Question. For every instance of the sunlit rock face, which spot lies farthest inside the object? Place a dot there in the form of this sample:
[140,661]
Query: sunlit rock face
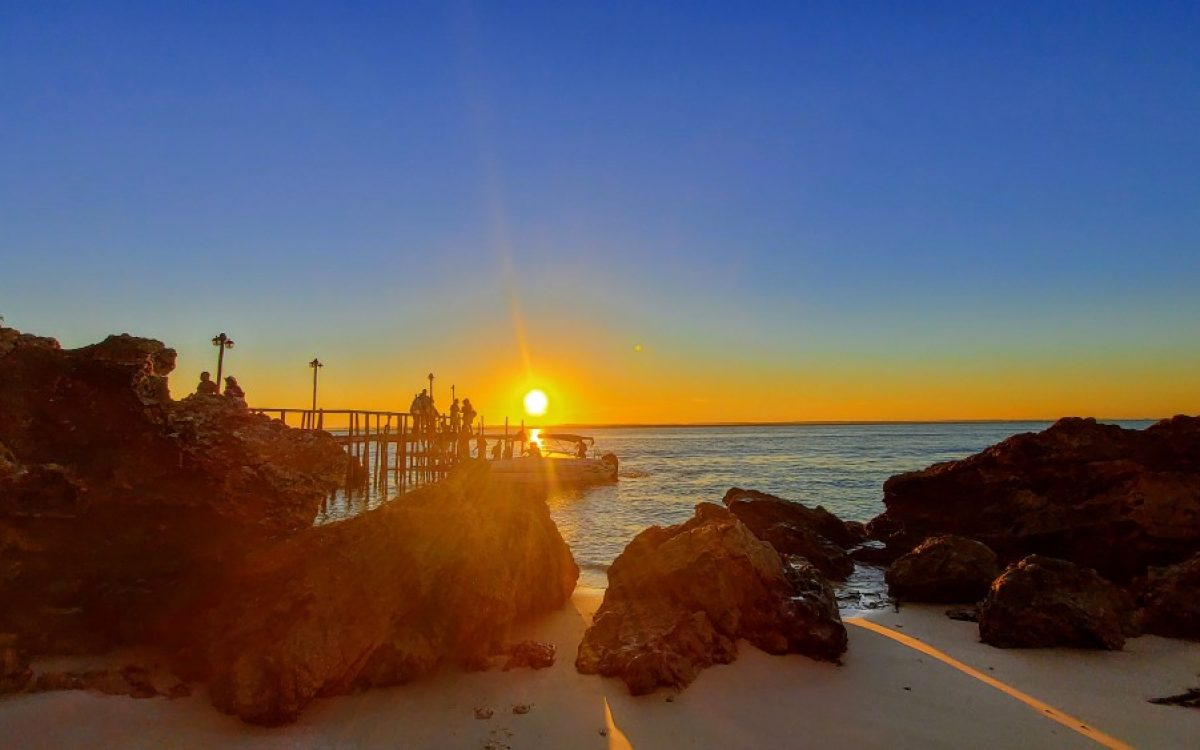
[945,569]
[1112,499]
[1041,602]
[441,574]
[119,505]
[680,597]
[795,529]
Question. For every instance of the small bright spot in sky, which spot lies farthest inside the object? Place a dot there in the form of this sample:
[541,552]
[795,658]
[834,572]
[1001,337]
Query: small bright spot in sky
[637,348]
[536,403]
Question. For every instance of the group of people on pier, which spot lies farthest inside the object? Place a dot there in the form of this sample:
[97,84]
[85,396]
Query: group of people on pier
[426,416]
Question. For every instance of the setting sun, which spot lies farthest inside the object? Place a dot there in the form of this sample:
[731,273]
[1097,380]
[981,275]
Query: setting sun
[536,403]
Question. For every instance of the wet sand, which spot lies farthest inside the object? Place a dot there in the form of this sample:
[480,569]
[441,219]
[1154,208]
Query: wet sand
[886,694]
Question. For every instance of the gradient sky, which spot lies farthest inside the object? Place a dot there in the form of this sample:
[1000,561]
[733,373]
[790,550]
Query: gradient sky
[801,211]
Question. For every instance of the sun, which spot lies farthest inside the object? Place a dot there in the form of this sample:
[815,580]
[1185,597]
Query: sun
[536,402]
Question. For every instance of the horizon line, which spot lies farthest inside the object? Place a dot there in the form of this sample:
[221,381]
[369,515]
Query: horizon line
[818,422]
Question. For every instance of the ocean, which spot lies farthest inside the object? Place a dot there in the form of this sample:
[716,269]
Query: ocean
[665,471]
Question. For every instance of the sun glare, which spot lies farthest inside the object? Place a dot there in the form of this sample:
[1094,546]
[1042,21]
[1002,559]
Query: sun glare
[536,403]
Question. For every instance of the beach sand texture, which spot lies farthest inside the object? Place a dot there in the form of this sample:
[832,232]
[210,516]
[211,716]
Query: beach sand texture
[886,694]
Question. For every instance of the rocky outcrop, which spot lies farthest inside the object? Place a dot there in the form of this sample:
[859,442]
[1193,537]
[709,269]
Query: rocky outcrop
[1172,600]
[383,597]
[1042,602]
[119,506]
[795,529]
[944,569]
[680,597]
[1105,497]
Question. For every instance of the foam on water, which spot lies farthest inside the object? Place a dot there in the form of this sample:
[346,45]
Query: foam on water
[666,471]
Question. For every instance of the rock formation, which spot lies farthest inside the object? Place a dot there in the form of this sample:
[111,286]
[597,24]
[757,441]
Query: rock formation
[945,569]
[680,597]
[795,529]
[1105,497]
[1172,600]
[1042,602]
[383,597]
[117,503]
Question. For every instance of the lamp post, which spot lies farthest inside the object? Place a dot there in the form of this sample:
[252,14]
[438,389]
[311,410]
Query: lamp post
[316,364]
[222,342]
[453,394]
[430,376]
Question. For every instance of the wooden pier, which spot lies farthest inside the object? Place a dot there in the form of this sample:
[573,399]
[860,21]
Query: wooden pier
[390,452]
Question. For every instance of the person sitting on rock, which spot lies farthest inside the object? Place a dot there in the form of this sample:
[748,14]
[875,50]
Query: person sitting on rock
[234,392]
[207,386]
[581,449]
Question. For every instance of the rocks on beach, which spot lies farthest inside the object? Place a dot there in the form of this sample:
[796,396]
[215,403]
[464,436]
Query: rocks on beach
[384,597]
[1042,602]
[679,598]
[129,518]
[1172,600]
[119,506]
[948,569]
[1105,497]
[795,529]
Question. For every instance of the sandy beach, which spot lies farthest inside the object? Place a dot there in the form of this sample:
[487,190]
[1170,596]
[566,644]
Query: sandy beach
[886,694]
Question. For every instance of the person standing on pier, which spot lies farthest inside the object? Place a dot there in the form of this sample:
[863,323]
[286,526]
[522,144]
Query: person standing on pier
[468,414]
[455,415]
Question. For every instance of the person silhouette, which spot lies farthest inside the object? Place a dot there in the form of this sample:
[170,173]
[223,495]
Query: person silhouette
[468,413]
[234,392]
[207,386]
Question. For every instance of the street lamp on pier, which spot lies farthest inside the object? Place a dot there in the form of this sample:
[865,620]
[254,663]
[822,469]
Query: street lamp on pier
[222,342]
[430,376]
[316,364]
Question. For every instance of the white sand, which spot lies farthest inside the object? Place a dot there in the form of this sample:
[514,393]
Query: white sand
[759,701]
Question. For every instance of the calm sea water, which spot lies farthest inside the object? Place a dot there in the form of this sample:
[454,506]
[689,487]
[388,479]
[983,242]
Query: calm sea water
[666,471]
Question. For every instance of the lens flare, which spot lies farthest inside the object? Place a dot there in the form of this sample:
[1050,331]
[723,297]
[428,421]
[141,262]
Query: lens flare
[536,403]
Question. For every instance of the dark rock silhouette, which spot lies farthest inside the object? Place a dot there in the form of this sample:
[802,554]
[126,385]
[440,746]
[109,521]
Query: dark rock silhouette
[383,597]
[1172,599]
[119,506]
[946,569]
[1105,497]
[795,529]
[679,598]
[1042,602]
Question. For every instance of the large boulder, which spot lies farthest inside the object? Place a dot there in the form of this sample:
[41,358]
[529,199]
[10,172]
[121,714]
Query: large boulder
[441,574]
[945,569]
[761,511]
[1172,600]
[1105,497]
[830,559]
[118,506]
[1042,602]
[680,597]
[795,529]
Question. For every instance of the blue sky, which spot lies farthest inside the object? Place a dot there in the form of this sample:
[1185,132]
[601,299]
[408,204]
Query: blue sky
[800,187]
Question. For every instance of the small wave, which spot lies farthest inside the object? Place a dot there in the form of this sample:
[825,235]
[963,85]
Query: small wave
[633,473]
[602,567]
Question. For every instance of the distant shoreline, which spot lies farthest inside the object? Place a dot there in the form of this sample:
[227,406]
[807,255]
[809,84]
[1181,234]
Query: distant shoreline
[818,423]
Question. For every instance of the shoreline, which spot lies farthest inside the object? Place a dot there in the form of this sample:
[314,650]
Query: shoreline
[884,695]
